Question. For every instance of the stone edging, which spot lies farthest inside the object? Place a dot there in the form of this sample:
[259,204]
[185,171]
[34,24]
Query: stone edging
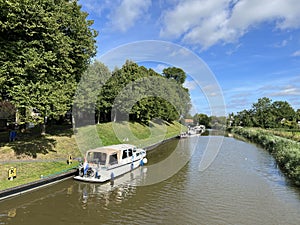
[18,190]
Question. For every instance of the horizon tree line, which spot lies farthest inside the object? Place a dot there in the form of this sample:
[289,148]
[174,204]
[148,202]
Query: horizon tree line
[266,113]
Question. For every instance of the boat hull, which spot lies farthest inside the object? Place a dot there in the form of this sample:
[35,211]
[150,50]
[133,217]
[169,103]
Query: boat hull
[109,174]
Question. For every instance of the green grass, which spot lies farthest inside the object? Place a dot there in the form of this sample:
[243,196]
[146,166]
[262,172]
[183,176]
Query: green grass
[290,134]
[60,142]
[140,135]
[29,172]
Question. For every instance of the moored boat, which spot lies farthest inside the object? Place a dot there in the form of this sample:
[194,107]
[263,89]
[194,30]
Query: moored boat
[105,163]
[183,135]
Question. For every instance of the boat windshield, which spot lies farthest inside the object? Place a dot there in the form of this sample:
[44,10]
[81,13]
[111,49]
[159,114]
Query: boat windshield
[97,158]
[113,159]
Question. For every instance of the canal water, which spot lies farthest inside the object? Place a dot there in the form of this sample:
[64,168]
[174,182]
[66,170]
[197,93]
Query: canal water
[242,186]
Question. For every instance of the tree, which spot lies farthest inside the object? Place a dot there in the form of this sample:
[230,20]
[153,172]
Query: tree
[297,115]
[244,118]
[282,110]
[202,119]
[175,73]
[266,114]
[45,46]
[262,110]
[88,93]
[142,94]
[217,122]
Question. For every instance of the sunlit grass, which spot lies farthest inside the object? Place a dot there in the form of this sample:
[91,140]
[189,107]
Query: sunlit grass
[33,171]
[49,153]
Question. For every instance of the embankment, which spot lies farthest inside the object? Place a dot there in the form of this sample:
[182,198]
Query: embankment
[29,173]
[285,151]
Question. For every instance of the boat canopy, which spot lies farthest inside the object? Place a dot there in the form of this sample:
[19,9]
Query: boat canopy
[109,155]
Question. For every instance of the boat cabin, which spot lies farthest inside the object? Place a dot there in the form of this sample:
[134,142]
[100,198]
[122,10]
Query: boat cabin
[110,156]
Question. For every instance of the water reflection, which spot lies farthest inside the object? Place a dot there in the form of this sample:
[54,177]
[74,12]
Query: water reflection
[242,186]
[117,191]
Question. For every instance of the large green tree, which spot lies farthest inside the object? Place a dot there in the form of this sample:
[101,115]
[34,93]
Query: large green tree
[45,45]
[202,119]
[85,105]
[267,114]
[282,110]
[262,110]
[175,73]
[142,94]
[244,118]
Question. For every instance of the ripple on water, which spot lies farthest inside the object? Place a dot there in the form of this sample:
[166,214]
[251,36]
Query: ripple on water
[241,186]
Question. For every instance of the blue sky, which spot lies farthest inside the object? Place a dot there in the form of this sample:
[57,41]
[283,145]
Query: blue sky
[251,47]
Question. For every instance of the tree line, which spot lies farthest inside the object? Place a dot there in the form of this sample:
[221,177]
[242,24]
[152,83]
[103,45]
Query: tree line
[46,51]
[214,122]
[266,113]
[131,92]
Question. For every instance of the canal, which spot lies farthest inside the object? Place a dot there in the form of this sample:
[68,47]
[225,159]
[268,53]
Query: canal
[242,186]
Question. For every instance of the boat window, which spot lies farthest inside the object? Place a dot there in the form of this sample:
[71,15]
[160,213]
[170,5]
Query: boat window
[113,159]
[101,157]
[129,152]
[124,154]
[97,157]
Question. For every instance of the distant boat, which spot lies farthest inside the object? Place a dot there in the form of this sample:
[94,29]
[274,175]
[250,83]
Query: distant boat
[192,132]
[106,163]
[183,135]
[197,130]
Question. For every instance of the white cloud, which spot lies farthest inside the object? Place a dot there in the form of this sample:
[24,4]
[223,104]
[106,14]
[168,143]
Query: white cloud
[280,89]
[281,44]
[128,12]
[191,85]
[296,53]
[231,51]
[209,22]
[287,91]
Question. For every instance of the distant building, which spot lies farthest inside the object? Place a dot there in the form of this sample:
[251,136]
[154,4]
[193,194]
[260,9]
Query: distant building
[188,122]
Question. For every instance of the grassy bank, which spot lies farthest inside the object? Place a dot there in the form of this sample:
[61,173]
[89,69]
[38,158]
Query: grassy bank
[285,151]
[34,155]
[32,171]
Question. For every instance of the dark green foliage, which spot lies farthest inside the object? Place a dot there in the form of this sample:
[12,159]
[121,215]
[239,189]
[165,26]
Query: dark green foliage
[45,46]
[88,92]
[202,119]
[145,94]
[136,93]
[175,73]
[267,114]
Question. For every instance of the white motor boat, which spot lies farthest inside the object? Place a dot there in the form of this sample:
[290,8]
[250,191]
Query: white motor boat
[105,163]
